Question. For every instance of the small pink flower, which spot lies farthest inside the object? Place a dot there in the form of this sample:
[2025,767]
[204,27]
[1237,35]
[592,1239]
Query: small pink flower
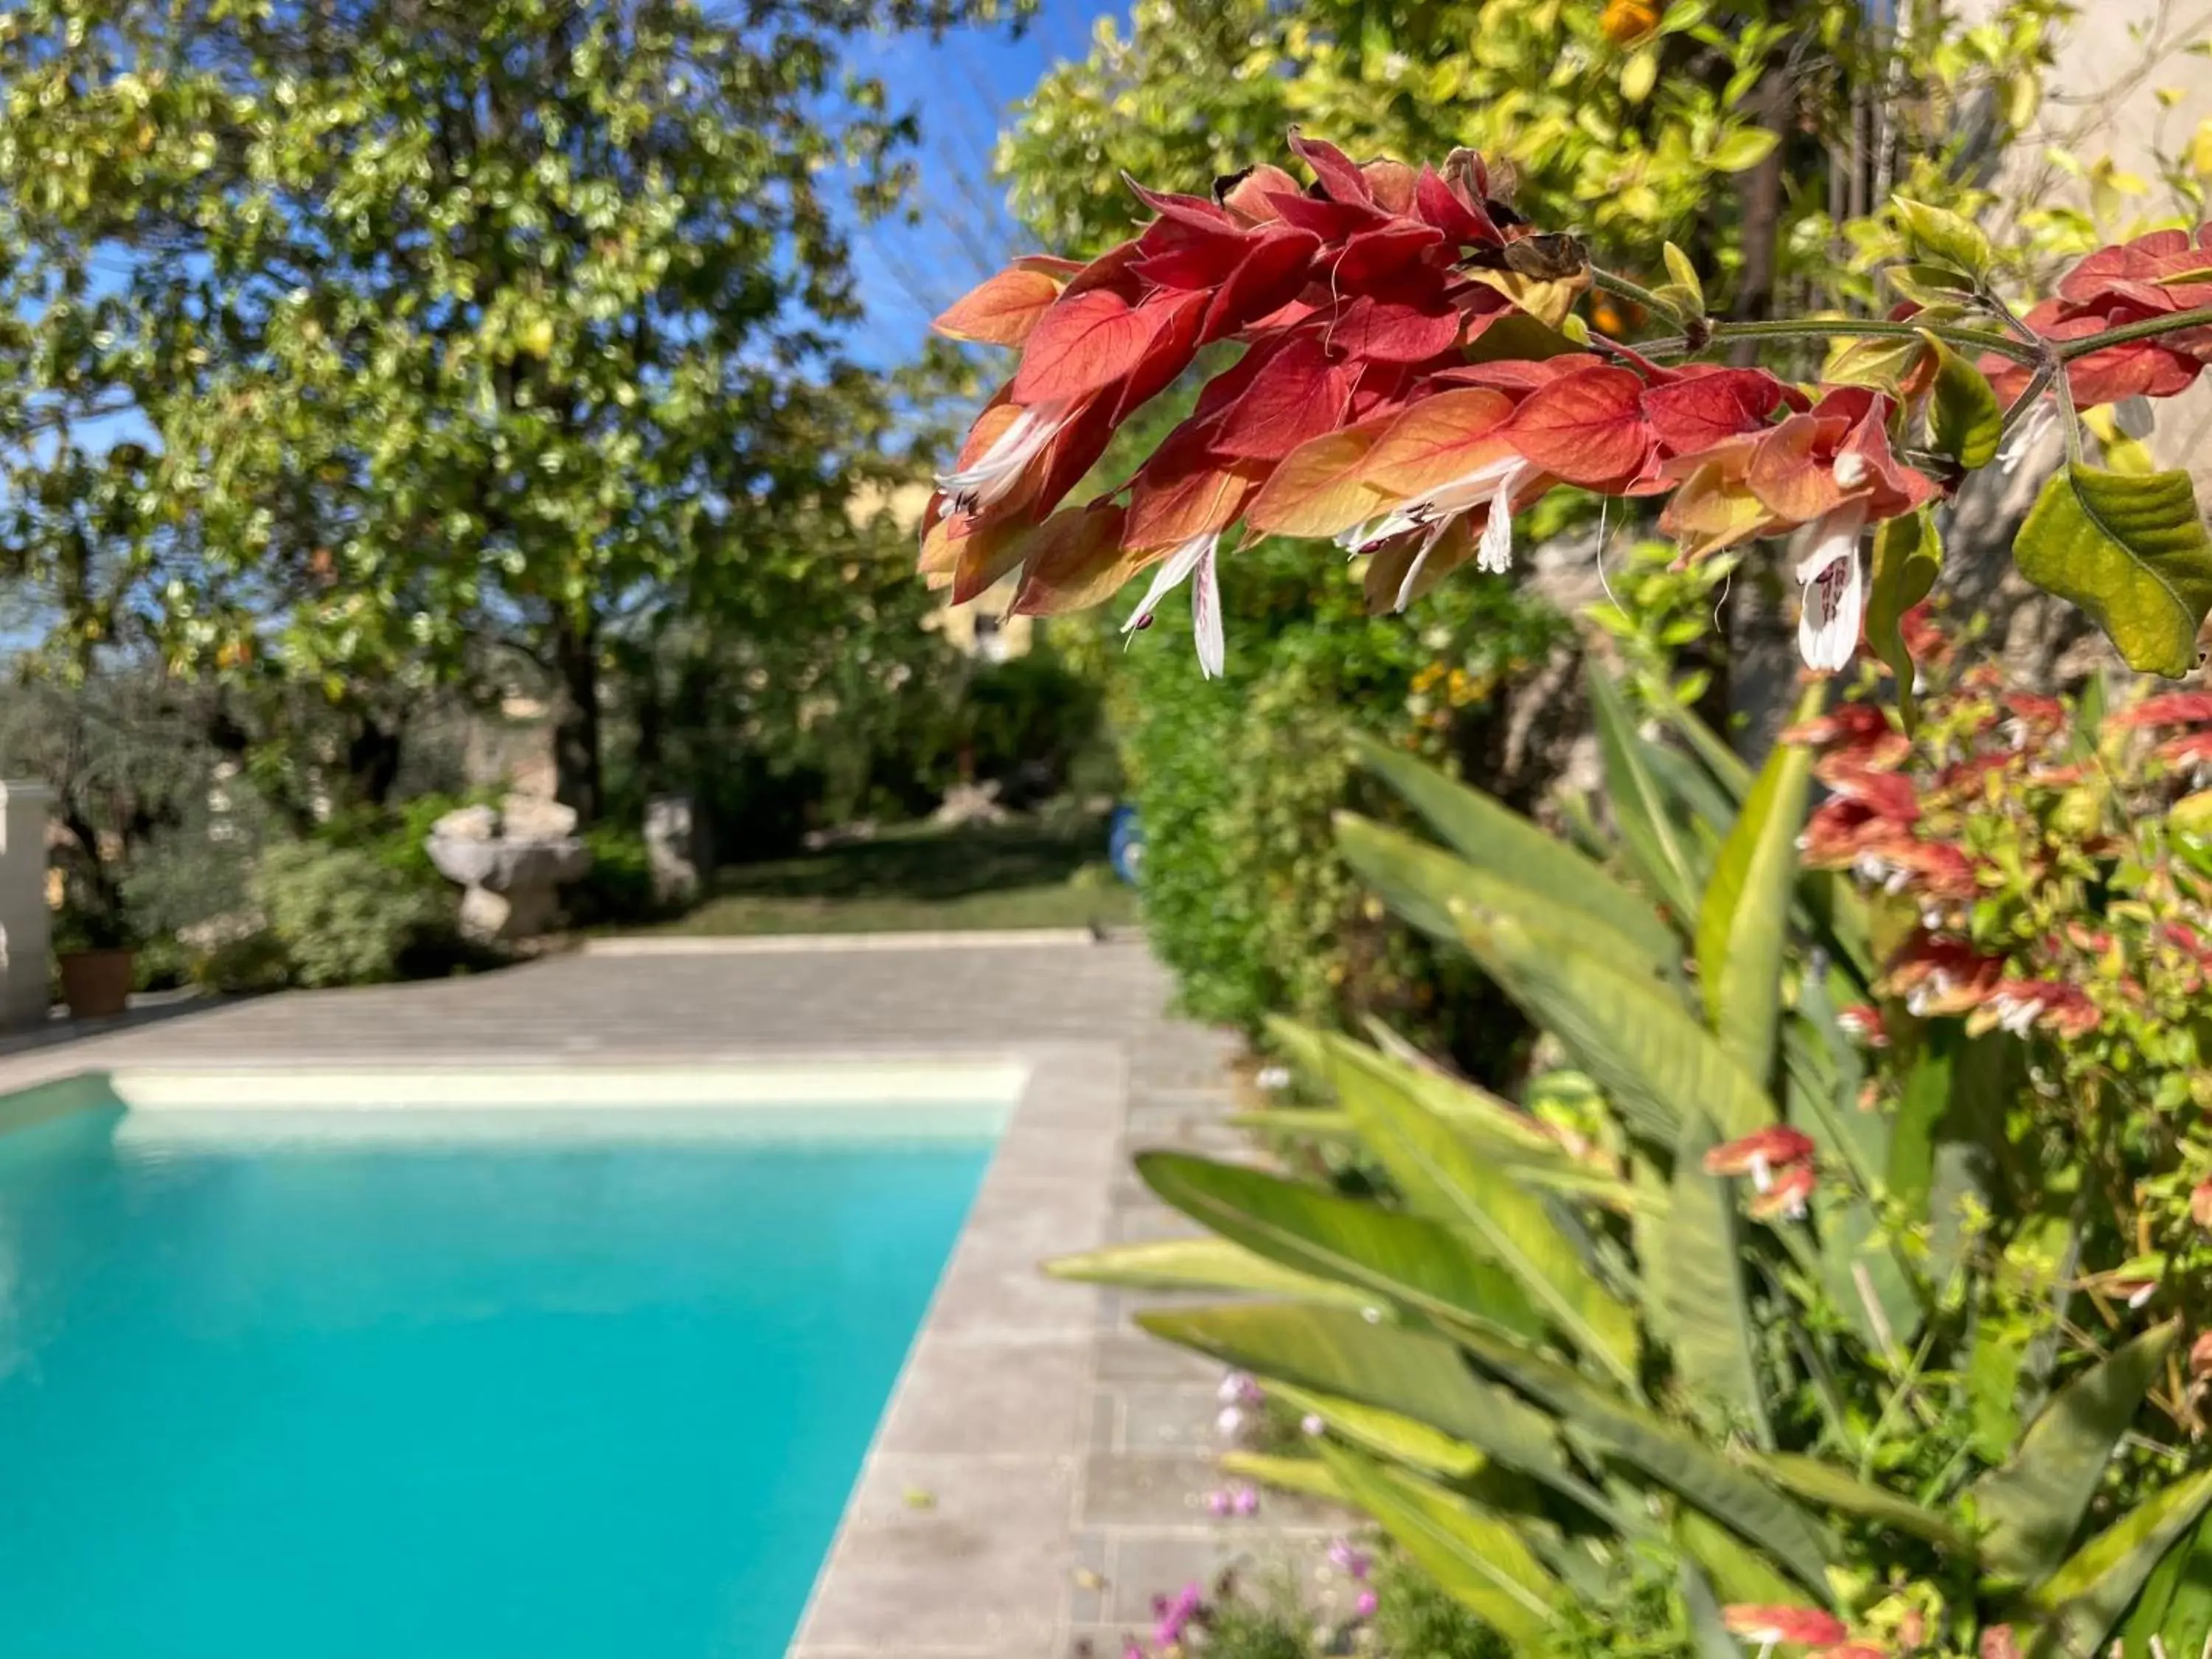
[1311,1425]
[1230,1424]
[1245,1500]
[1217,1503]
[1348,1558]
[1365,1606]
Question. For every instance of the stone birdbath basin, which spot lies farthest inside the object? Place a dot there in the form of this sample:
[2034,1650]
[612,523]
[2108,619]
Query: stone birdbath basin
[513,859]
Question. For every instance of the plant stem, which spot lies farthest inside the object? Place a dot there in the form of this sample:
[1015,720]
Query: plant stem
[2149,328]
[1823,328]
[1636,293]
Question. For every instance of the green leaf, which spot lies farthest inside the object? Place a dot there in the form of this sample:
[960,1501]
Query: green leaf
[1199,1264]
[1491,835]
[1500,1134]
[1684,274]
[1697,1271]
[1754,1511]
[1442,1176]
[1723,763]
[2034,1505]
[1421,882]
[1743,921]
[1654,840]
[1308,1475]
[1475,1557]
[2131,552]
[1831,1488]
[1655,1062]
[1707,1628]
[1946,237]
[1742,149]
[1423,1266]
[2176,1603]
[1741,1575]
[2084,1599]
[1965,420]
[1908,555]
[1387,1434]
[1336,1352]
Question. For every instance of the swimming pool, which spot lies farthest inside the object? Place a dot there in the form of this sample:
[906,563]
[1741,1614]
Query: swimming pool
[366,1384]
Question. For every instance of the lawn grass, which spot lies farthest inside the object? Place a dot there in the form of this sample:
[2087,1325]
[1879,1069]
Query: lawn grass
[919,879]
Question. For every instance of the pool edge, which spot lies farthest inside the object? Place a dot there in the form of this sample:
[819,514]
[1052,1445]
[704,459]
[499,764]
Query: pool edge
[975,1470]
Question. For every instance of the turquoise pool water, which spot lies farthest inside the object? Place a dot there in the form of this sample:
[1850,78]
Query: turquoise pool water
[510,1399]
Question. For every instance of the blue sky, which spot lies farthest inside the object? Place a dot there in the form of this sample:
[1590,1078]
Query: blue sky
[963,87]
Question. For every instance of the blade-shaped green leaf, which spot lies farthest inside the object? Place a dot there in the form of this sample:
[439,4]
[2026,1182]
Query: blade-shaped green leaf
[1502,1133]
[1476,1558]
[1908,557]
[1200,1264]
[1655,842]
[2078,1604]
[1443,1176]
[1821,1077]
[1422,1265]
[1743,920]
[2129,549]
[1707,1627]
[2034,1505]
[1424,1378]
[1308,1475]
[1420,883]
[1494,836]
[1387,1434]
[1654,1060]
[1698,800]
[1829,1487]
[1726,767]
[1740,1574]
[2176,1602]
[1697,1271]
[1746,1505]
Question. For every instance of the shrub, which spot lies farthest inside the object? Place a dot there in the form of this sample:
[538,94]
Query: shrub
[341,916]
[619,885]
[1246,896]
[1025,720]
[1708,1345]
[2042,866]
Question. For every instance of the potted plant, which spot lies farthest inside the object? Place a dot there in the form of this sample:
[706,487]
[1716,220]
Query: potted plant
[98,959]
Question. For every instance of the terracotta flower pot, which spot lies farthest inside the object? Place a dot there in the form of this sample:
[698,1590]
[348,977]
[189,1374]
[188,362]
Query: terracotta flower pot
[96,984]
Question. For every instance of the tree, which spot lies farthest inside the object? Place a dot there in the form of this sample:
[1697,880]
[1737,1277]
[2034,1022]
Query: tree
[436,331]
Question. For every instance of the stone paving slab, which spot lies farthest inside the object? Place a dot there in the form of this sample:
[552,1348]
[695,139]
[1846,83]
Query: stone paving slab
[1041,1473]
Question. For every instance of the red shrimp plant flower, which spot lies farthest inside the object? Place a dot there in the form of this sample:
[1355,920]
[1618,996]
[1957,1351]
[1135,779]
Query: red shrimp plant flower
[1411,376]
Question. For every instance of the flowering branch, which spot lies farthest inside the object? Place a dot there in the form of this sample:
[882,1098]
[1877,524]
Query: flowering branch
[1411,380]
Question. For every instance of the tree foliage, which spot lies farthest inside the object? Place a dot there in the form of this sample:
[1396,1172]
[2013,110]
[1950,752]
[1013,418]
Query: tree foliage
[370,341]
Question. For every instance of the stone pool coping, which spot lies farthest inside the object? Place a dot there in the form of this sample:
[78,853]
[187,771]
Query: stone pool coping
[972,1480]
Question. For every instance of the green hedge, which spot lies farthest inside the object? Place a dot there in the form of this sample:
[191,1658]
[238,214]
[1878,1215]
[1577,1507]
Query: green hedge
[1235,779]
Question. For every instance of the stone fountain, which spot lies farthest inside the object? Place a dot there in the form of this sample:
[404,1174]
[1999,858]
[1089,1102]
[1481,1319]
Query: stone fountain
[513,859]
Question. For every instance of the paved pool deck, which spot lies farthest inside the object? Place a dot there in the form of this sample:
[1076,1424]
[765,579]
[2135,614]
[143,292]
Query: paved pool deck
[1042,1471]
